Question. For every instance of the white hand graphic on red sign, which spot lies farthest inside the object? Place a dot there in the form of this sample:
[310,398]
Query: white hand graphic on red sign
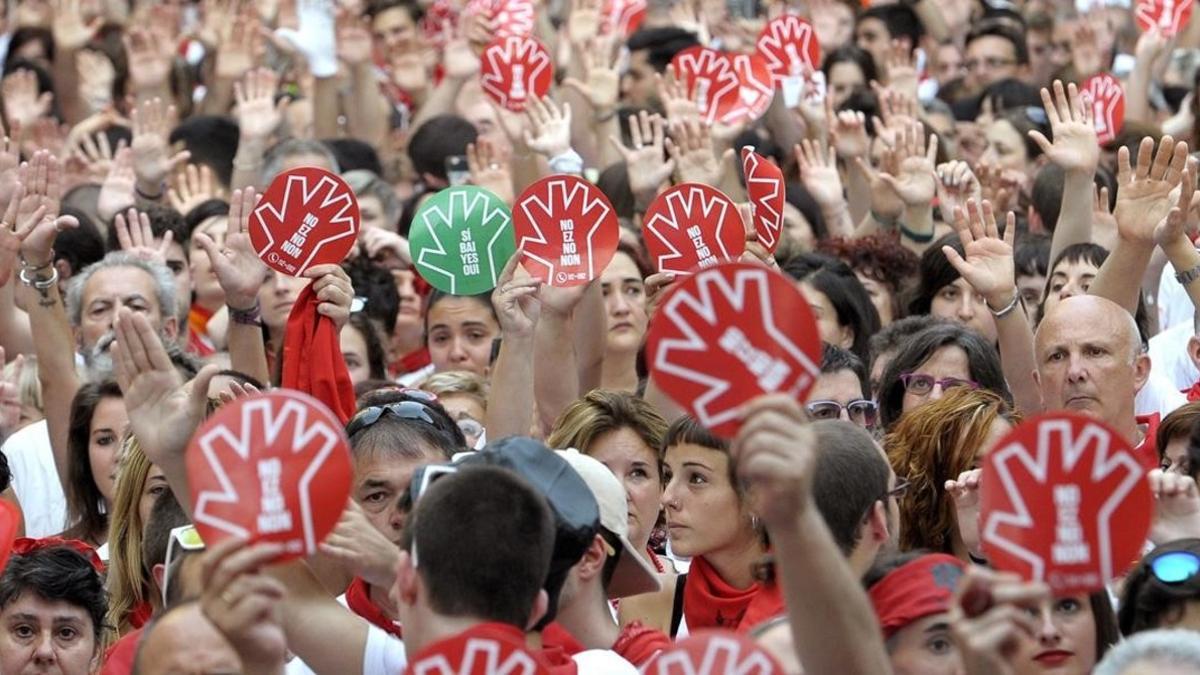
[711,81]
[789,46]
[567,230]
[272,467]
[756,89]
[729,334]
[1106,96]
[692,225]
[1064,500]
[714,653]
[515,69]
[307,217]
[1168,15]
[623,17]
[513,18]
[764,185]
[480,656]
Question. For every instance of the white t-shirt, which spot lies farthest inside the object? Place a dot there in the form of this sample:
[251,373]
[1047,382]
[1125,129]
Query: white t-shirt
[602,662]
[1174,305]
[35,480]
[1168,355]
[384,655]
[1158,395]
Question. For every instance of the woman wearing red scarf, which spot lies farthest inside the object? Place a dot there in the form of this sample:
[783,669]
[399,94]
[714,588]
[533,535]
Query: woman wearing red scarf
[708,520]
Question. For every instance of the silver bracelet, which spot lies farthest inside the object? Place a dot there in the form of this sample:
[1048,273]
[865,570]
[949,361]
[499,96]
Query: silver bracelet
[1000,313]
[35,282]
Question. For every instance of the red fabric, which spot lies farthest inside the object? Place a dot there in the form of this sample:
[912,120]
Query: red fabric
[558,646]
[140,615]
[915,590]
[25,545]
[709,602]
[411,362]
[199,343]
[1148,448]
[497,643]
[312,357]
[639,644]
[1193,394]
[358,599]
[118,660]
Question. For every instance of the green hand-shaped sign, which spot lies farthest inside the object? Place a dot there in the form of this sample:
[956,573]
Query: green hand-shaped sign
[461,238]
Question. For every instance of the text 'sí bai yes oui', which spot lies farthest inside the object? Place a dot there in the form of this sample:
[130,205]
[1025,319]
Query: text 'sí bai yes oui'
[469,254]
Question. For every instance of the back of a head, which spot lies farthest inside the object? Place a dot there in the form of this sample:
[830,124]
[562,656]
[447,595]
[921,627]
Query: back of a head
[662,44]
[482,539]
[901,21]
[434,141]
[1158,652]
[212,140]
[851,475]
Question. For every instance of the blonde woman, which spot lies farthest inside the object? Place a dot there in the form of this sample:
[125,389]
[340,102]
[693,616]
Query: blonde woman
[464,396]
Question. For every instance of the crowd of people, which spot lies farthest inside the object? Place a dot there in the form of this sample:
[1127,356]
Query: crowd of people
[979,240]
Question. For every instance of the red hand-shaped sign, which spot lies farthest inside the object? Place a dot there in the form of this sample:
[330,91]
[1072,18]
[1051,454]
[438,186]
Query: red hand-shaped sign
[764,185]
[790,47]
[515,69]
[308,216]
[714,652]
[273,467]
[10,522]
[1106,96]
[567,230]
[729,334]
[1064,499]
[710,80]
[623,17]
[692,225]
[511,18]
[1168,15]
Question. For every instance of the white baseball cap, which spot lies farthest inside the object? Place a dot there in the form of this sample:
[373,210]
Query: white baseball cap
[633,575]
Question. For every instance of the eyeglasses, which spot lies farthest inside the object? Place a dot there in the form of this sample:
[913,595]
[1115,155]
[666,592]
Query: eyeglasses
[897,492]
[989,62]
[405,410]
[860,411]
[1175,567]
[920,384]
[471,427]
[185,538]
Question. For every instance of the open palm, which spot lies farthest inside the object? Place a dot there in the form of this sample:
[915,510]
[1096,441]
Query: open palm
[1143,199]
[238,268]
[988,261]
[1075,147]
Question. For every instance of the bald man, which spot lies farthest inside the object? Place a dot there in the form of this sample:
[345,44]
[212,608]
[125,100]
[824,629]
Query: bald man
[183,640]
[1090,360]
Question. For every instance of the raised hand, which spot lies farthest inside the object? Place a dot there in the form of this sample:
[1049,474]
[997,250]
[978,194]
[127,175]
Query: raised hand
[37,208]
[152,158]
[315,39]
[775,452]
[333,289]
[914,181]
[993,614]
[965,492]
[999,186]
[1171,231]
[10,393]
[1075,147]
[459,59]
[583,25]
[258,115]
[955,185]
[489,171]
[897,112]
[117,192]
[385,247]
[360,548]
[673,92]
[1143,197]
[1176,506]
[601,84]
[238,268]
[988,265]
[245,604]
[136,237]
[1085,50]
[657,285]
[847,132]
[901,68]
[70,31]
[354,44]
[23,105]
[691,146]
[516,301]
[13,234]
[97,154]
[10,161]
[242,50]
[819,173]
[194,185]
[549,129]
[645,163]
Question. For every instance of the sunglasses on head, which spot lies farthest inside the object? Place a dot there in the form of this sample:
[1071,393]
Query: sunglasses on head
[418,410]
[182,538]
[1175,567]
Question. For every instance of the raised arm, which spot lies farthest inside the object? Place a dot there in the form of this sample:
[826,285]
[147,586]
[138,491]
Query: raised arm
[1076,150]
[258,116]
[511,397]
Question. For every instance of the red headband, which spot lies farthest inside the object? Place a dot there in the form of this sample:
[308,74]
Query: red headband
[25,545]
[915,590]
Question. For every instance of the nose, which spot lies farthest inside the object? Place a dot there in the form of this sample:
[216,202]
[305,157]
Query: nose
[458,351]
[668,496]
[937,392]
[396,520]
[279,283]
[617,304]
[844,414]
[43,651]
[989,156]
[1067,291]
[1048,633]
[966,308]
[1076,370]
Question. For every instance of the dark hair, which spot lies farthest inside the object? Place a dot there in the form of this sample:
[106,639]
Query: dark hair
[79,246]
[213,142]
[166,515]
[686,429]
[879,257]
[1025,120]
[85,510]
[897,333]
[415,12]
[799,198]
[614,183]
[851,475]
[1147,602]
[851,54]
[353,154]
[1003,30]
[437,296]
[935,273]
[5,472]
[835,359]
[27,34]
[983,360]
[1047,193]
[1095,255]
[376,357]
[57,574]
[1032,256]
[210,208]
[407,437]
[379,288]
[484,539]
[162,218]
[850,300]
[1011,94]
[901,22]
[887,563]
[1183,421]
[661,44]
[863,100]
[441,137]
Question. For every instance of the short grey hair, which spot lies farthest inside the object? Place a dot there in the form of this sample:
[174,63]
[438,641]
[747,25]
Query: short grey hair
[1155,648]
[164,284]
[273,160]
[367,184]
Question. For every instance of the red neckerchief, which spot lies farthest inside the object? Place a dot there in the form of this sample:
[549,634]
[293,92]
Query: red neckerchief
[639,644]
[411,362]
[312,357]
[709,602]
[471,651]
[358,599]
[558,646]
[118,660]
[1193,394]
[141,614]
[199,343]
[1148,448]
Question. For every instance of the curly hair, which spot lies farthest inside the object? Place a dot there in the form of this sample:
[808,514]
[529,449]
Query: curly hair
[879,257]
[935,443]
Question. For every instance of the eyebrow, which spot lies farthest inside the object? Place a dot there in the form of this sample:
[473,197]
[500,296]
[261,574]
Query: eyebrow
[940,627]
[698,464]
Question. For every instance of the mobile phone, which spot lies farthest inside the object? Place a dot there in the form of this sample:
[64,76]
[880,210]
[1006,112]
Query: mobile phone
[457,171]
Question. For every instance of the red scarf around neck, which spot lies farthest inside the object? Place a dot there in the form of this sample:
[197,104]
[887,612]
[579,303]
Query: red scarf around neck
[709,602]
[312,357]
[358,599]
